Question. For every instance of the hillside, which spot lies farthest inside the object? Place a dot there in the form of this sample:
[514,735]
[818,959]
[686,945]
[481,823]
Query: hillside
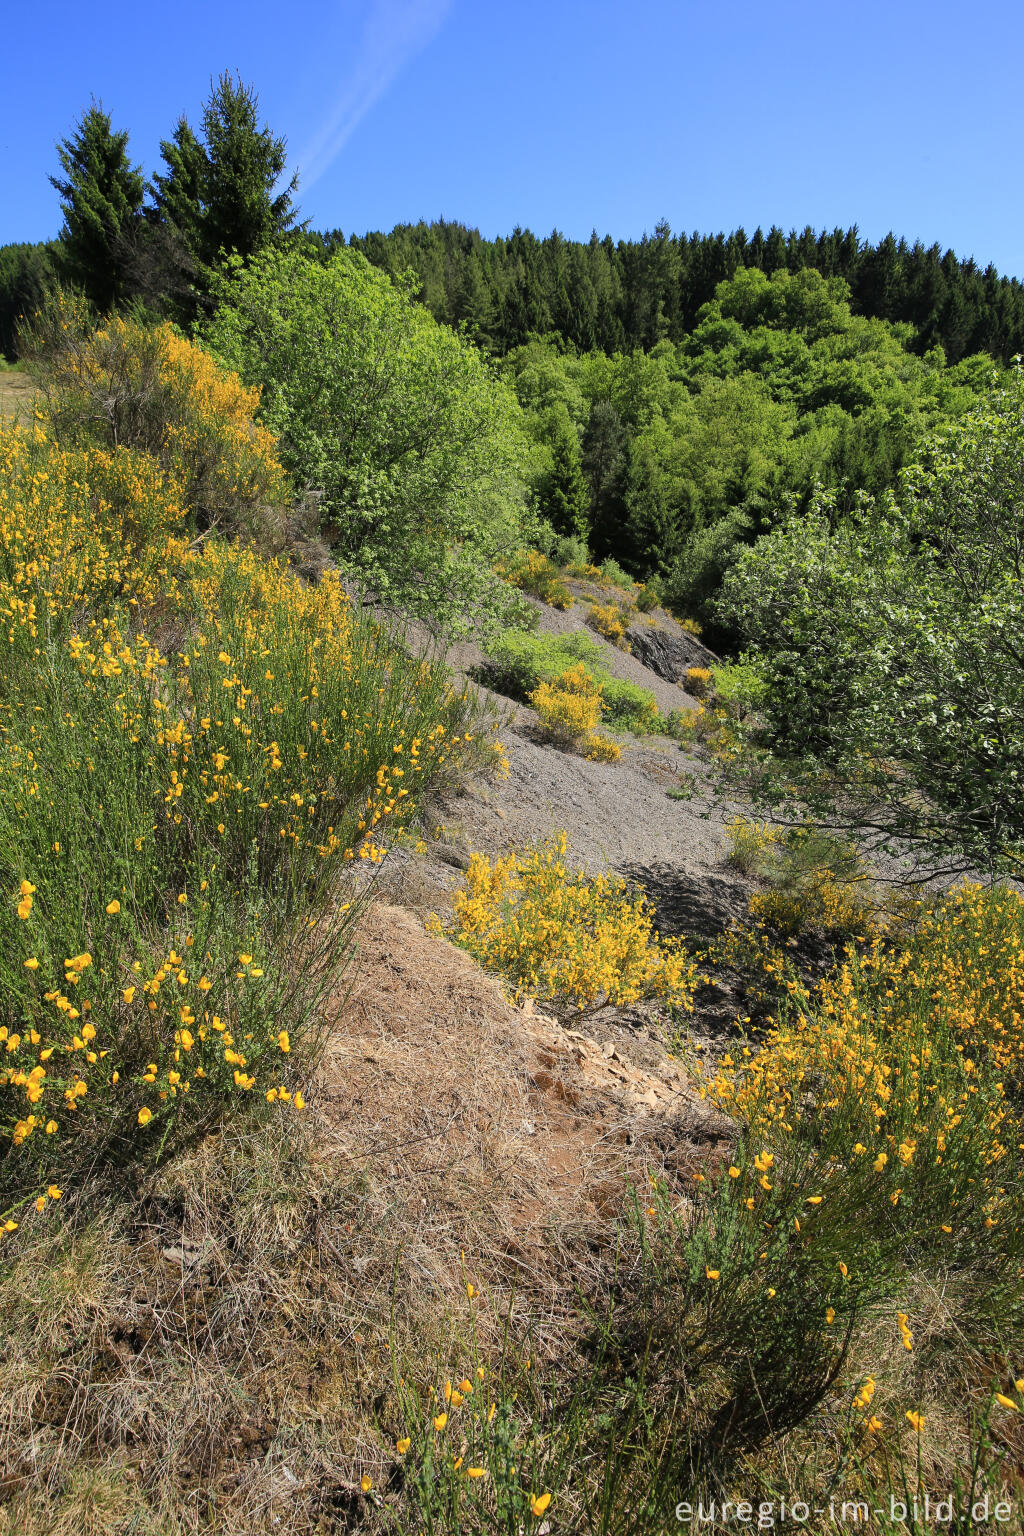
[239,1340]
[620,295]
[475,1057]
[222,1335]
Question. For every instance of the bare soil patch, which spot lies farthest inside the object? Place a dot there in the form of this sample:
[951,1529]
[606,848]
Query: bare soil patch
[514,1137]
[17,392]
[219,1352]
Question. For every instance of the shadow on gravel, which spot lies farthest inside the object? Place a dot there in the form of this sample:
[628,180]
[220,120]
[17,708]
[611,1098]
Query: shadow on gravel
[691,906]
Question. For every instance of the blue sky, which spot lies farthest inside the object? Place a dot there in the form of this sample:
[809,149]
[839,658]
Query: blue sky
[575,114]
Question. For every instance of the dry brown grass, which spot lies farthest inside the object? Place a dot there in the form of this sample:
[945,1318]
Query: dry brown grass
[17,393]
[497,1130]
[215,1353]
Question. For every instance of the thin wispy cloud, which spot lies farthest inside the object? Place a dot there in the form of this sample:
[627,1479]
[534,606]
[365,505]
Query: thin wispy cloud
[393,33]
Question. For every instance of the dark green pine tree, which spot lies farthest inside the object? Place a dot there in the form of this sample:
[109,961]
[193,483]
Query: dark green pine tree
[244,165]
[179,197]
[174,232]
[754,255]
[28,273]
[604,443]
[774,250]
[564,493]
[101,196]
[469,301]
[619,297]
[649,541]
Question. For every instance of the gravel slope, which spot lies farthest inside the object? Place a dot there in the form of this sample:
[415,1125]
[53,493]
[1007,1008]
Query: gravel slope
[617,815]
[620,664]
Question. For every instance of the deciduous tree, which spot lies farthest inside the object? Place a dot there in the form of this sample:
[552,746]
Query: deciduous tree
[414,446]
[891,648]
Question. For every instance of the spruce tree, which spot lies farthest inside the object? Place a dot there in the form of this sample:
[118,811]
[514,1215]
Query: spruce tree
[244,164]
[101,197]
[216,195]
[175,225]
[565,495]
[650,542]
[179,197]
[604,443]
[28,273]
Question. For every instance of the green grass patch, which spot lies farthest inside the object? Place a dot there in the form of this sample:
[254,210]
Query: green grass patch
[517,662]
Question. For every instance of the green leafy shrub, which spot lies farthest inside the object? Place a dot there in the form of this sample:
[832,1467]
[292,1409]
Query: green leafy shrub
[890,642]
[567,551]
[615,576]
[707,555]
[738,687]
[415,446]
[517,662]
[628,707]
[650,594]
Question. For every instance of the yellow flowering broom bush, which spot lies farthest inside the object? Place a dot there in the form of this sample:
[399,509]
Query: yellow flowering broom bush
[472,1454]
[886,1102]
[533,572]
[149,389]
[569,707]
[611,620]
[575,940]
[193,746]
[908,1041]
[306,731]
[877,1172]
[79,528]
[698,681]
[811,879]
[819,901]
[749,842]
